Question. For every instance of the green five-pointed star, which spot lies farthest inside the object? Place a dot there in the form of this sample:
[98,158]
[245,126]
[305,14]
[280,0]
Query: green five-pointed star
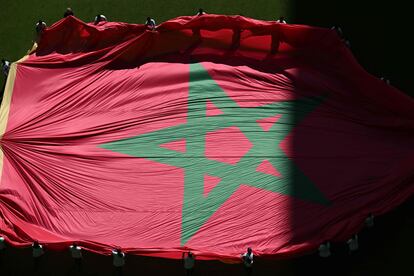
[197,208]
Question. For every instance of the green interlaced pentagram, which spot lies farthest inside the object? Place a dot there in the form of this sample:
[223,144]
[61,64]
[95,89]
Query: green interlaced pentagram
[197,208]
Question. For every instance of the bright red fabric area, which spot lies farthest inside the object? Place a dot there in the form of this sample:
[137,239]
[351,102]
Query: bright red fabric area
[87,85]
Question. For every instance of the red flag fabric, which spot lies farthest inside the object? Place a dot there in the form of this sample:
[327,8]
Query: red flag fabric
[211,133]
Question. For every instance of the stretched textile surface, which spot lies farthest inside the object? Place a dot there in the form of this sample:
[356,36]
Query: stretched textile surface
[210,134]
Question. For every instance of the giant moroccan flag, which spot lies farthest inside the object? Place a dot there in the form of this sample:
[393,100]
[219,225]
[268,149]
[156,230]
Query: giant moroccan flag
[210,134]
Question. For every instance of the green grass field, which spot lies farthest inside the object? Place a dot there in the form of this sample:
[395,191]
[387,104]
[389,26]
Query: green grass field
[378,32]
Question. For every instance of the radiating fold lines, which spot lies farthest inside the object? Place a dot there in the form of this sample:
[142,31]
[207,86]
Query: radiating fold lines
[5,109]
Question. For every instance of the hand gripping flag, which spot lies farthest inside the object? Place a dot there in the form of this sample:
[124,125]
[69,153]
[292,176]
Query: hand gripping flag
[210,134]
